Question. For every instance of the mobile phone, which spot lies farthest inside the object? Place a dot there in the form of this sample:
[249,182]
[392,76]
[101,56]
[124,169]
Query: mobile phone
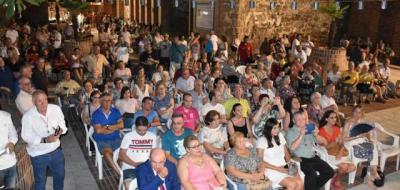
[57,131]
[310,128]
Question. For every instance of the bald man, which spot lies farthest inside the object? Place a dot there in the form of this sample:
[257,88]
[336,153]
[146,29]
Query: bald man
[157,173]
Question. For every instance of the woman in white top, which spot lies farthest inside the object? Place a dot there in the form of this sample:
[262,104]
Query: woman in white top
[127,106]
[122,72]
[272,150]
[157,75]
[141,89]
[334,74]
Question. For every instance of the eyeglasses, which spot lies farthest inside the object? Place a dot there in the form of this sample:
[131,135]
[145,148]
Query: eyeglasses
[195,146]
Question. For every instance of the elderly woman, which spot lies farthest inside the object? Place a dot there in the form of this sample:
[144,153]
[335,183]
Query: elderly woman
[127,106]
[84,95]
[286,91]
[242,163]
[214,136]
[274,154]
[314,109]
[197,170]
[141,89]
[330,130]
[163,102]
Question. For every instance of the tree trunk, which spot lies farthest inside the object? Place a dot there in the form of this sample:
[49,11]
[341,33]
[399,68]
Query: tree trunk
[75,26]
[332,33]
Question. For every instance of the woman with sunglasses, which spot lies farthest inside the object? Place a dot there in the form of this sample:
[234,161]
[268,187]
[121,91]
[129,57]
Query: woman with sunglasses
[197,170]
[273,152]
[330,130]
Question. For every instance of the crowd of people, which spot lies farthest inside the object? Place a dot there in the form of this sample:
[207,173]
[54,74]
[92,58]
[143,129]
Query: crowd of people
[191,105]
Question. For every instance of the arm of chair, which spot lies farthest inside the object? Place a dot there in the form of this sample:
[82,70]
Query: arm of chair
[395,137]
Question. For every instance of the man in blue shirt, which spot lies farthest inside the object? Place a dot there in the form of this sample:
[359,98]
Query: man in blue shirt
[150,114]
[172,141]
[317,172]
[107,122]
[177,52]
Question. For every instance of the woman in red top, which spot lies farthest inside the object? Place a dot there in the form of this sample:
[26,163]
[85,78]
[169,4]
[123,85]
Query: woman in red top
[331,132]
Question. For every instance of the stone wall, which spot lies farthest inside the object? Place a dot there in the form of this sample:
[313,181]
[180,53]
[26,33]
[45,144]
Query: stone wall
[262,22]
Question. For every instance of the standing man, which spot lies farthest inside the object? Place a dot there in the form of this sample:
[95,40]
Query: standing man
[157,173]
[107,122]
[41,129]
[317,172]
[8,139]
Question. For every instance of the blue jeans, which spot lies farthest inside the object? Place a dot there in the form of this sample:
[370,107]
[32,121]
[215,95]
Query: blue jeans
[53,160]
[240,186]
[9,177]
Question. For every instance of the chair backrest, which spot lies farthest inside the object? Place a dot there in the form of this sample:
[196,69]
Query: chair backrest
[91,131]
[115,159]
[133,185]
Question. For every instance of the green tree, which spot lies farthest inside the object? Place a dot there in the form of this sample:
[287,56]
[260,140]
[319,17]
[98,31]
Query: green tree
[336,14]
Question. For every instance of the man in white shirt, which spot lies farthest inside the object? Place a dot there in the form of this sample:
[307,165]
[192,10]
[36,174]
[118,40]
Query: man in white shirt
[327,100]
[300,53]
[96,60]
[185,83]
[296,42]
[268,88]
[135,148]
[42,127]
[214,104]
[8,139]
[12,33]
[24,99]
[56,37]
[214,41]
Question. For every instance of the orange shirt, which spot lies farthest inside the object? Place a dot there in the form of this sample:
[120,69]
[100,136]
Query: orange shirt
[330,137]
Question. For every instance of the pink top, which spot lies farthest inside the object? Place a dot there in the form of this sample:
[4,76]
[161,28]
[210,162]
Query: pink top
[190,116]
[202,177]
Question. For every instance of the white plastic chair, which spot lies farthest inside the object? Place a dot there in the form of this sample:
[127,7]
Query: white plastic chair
[353,158]
[241,69]
[87,141]
[388,150]
[99,157]
[133,185]
[121,174]
[231,183]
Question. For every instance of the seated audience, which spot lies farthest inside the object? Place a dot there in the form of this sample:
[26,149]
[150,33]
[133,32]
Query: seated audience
[172,140]
[214,104]
[157,173]
[242,163]
[330,130]
[67,87]
[214,136]
[190,114]
[238,98]
[300,141]
[107,122]
[89,109]
[149,112]
[135,149]
[24,99]
[163,102]
[197,170]
[127,106]
[273,152]
[239,123]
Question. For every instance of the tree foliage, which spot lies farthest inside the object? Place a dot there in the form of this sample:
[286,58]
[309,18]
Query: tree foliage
[335,12]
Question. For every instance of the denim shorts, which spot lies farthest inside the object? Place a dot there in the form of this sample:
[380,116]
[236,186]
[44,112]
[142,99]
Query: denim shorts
[114,144]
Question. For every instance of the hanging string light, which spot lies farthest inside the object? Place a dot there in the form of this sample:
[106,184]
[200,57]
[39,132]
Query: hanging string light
[194,3]
[384,4]
[294,5]
[315,5]
[337,5]
[252,4]
[158,3]
[272,5]
[360,5]
[176,3]
[232,4]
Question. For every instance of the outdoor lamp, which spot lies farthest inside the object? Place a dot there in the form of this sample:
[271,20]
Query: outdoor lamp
[383,4]
[193,4]
[315,5]
[337,5]
[272,5]
[360,5]
[176,3]
[294,5]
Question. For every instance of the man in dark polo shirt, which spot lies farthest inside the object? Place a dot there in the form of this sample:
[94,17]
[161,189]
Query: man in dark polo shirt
[107,122]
